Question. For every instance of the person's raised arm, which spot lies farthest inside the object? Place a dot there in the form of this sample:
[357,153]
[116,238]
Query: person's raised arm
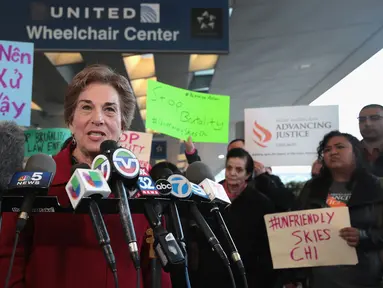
[191,152]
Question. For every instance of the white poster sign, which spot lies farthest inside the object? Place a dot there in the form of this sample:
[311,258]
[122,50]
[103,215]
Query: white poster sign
[290,135]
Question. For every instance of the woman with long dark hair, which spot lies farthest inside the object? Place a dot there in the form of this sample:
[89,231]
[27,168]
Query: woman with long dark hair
[344,181]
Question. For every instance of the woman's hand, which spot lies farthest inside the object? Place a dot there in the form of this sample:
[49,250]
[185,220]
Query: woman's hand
[351,235]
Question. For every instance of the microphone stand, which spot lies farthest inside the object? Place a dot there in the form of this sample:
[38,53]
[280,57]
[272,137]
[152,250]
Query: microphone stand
[155,265]
[235,256]
[173,223]
[167,248]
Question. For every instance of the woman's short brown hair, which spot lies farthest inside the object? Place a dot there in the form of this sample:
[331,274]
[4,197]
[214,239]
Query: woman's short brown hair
[100,74]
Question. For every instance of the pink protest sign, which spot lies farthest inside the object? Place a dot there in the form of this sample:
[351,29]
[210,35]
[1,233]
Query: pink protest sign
[139,143]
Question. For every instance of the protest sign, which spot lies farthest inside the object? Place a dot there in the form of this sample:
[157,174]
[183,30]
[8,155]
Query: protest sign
[47,141]
[16,74]
[182,113]
[288,136]
[139,143]
[309,238]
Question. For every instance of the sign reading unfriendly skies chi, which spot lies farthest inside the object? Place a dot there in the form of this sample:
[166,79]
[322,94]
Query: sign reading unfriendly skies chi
[290,135]
[127,26]
[309,238]
[182,113]
[16,74]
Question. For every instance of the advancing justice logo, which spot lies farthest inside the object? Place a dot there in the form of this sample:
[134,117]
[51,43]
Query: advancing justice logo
[261,135]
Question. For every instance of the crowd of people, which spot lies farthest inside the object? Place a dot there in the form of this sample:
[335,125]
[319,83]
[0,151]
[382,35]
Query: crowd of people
[61,251]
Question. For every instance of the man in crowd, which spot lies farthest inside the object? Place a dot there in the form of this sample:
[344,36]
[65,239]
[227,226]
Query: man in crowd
[371,128]
[267,183]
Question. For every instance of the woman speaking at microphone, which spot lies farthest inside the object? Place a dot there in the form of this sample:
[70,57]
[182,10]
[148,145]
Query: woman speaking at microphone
[61,250]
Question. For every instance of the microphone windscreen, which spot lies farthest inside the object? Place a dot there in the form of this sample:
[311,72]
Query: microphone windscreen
[12,142]
[158,170]
[199,171]
[41,163]
[108,145]
[79,166]
[160,173]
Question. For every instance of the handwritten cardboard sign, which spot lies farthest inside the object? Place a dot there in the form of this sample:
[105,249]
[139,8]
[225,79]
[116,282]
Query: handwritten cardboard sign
[139,143]
[47,141]
[182,113]
[309,238]
[16,74]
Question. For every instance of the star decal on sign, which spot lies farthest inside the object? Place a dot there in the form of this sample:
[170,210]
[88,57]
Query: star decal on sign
[206,21]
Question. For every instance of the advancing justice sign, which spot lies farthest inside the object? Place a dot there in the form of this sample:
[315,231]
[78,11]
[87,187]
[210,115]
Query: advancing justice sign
[161,25]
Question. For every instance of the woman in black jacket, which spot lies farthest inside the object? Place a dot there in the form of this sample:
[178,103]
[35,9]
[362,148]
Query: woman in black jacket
[244,219]
[344,181]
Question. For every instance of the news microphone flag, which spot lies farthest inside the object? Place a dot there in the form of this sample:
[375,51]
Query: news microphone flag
[215,191]
[84,183]
[181,187]
[146,184]
[101,162]
[37,180]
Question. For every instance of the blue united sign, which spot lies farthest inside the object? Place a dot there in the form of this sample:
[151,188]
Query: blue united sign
[125,26]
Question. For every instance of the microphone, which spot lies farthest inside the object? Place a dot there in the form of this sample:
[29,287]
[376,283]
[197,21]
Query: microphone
[91,183]
[32,184]
[182,188]
[175,264]
[12,141]
[101,162]
[125,170]
[201,173]
[145,185]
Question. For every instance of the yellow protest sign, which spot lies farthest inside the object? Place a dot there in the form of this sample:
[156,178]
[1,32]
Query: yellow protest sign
[181,113]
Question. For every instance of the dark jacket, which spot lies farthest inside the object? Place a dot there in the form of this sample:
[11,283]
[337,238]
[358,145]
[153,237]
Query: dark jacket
[61,250]
[275,190]
[244,219]
[269,184]
[194,157]
[377,166]
[366,214]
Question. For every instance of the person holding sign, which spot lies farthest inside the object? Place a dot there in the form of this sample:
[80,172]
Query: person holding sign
[61,250]
[344,181]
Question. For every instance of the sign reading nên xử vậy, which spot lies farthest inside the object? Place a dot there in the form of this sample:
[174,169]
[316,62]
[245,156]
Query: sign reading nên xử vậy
[16,74]
[309,238]
[182,113]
